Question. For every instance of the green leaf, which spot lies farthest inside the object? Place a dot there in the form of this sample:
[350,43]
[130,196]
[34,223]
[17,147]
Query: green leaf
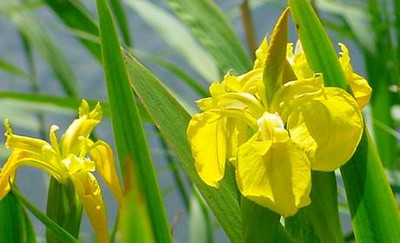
[128,131]
[318,222]
[116,7]
[172,120]
[48,103]
[177,71]
[75,16]
[200,229]
[175,172]
[14,70]
[135,223]
[373,209]
[372,206]
[63,235]
[381,76]
[15,225]
[213,30]
[355,17]
[261,224]
[34,31]
[321,55]
[177,36]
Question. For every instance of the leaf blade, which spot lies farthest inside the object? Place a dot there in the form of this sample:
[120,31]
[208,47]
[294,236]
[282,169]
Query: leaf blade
[128,131]
[63,235]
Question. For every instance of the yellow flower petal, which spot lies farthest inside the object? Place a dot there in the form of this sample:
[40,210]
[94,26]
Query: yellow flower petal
[54,140]
[102,155]
[89,193]
[28,152]
[359,86]
[261,54]
[274,175]
[361,89]
[233,101]
[295,93]
[329,129]
[298,61]
[45,161]
[237,134]
[7,173]
[76,164]
[33,145]
[207,135]
[271,128]
[81,127]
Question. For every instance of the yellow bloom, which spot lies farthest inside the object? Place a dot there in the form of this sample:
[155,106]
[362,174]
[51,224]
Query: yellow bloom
[274,142]
[76,157]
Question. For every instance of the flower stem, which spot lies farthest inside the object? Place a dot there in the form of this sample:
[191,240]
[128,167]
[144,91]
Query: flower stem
[248,27]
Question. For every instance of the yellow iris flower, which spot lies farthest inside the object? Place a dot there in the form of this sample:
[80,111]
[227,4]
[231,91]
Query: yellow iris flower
[274,142]
[75,158]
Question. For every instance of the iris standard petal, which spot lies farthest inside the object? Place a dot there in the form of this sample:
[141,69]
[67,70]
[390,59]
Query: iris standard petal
[207,135]
[249,82]
[81,127]
[274,175]
[298,61]
[329,129]
[359,86]
[89,193]
[102,155]
[361,89]
[261,54]
[293,94]
[233,101]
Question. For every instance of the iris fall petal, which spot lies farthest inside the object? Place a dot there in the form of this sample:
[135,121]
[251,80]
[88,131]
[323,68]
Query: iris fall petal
[329,129]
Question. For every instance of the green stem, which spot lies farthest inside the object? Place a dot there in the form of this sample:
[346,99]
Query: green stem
[248,27]
[64,208]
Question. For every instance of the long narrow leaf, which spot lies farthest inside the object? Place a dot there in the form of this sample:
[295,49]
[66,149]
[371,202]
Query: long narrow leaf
[176,70]
[75,16]
[135,222]
[42,101]
[15,225]
[117,8]
[319,221]
[48,103]
[374,211]
[14,70]
[63,235]
[261,224]
[381,76]
[128,131]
